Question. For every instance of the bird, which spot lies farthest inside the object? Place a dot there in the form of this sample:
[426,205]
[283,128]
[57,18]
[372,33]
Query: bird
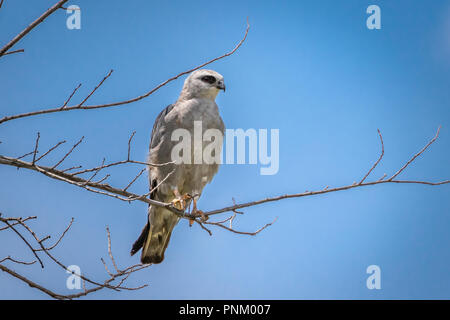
[178,183]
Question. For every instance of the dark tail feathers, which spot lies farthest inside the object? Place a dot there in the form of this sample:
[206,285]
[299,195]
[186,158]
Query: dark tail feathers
[141,240]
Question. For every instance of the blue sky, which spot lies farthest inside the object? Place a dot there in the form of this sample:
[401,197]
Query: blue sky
[311,69]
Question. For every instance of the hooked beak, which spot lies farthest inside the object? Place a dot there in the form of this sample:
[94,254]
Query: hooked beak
[221,85]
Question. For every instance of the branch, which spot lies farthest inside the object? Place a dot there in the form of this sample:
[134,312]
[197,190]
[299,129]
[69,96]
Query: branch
[31,27]
[230,228]
[120,275]
[348,187]
[23,239]
[30,283]
[323,191]
[416,155]
[124,195]
[107,105]
[14,51]
[17,261]
[379,159]
[68,153]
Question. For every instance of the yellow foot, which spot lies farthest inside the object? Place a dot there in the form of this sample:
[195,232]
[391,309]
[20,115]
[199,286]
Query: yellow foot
[180,201]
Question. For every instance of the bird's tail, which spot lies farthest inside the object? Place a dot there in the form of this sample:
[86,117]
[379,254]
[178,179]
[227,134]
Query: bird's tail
[155,236]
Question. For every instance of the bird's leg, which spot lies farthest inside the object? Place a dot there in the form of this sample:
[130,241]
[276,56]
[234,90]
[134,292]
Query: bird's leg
[194,210]
[197,212]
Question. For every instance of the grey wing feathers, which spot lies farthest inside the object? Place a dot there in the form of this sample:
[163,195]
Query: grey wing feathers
[154,141]
[156,135]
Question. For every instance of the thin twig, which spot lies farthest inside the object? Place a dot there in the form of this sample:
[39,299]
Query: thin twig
[242,232]
[31,27]
[110,250]
[129,145]
[36,145]
[70,97]
[416,155]
[24,240]
[95,89]
[379,159]
[68,153]
[17,261]
[60,238]
[50,150]
[14,51]
[31,283]
[135,178]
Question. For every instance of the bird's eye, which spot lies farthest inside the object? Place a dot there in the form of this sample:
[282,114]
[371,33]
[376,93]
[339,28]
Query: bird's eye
[208,79]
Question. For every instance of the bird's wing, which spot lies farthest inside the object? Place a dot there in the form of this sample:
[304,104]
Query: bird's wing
[159,122]
[160,227]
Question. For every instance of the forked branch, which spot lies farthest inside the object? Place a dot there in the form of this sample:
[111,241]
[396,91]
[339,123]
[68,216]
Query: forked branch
[115,280]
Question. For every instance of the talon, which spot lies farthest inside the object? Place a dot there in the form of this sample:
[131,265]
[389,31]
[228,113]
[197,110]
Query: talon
[178,203]
[180,200]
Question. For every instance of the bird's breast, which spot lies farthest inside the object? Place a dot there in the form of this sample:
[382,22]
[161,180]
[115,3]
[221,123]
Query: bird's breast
[203,110]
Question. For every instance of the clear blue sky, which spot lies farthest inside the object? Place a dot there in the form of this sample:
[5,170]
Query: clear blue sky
[308,68]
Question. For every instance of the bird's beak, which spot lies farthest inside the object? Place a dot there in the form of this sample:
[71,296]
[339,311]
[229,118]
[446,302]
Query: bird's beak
[221,86]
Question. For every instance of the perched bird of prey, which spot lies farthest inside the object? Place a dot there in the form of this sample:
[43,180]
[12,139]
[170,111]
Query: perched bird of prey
[178,183]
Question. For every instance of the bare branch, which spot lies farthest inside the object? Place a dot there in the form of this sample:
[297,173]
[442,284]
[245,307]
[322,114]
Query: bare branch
[14,51]
[124,195]
[31,283]
[311,193]
[70,97]
[60,238]
[240,232]
[23,239]
[129,144]
[25,155]
[17,261]
[68,153]
[15,221]
[416,155]
[379,159]
[106,105]
[95,89]
[31,27]
[50,150]
[200,223]
[120,275]
[36,145]
[109,250]
[77,181]
[354,185]
[135,178]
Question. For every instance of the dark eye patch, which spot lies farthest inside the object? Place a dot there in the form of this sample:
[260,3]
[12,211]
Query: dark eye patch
[208,79]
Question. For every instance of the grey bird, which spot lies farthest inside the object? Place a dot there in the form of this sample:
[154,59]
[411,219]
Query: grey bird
[179,183]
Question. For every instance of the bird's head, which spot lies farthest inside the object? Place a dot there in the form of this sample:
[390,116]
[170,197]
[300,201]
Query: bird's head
[202,84]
